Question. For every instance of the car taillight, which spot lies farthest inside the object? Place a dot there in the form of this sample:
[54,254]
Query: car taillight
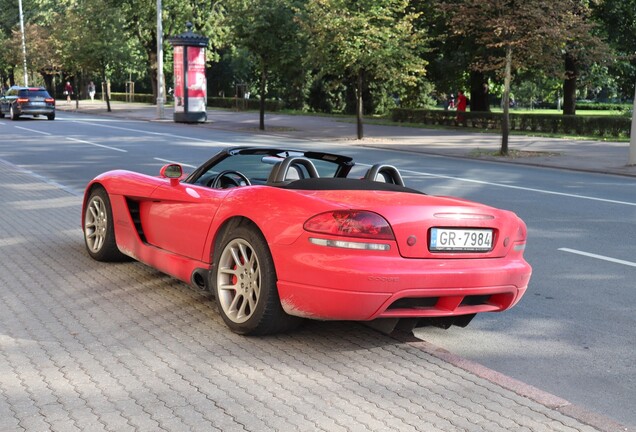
[351,223]
[521,235]
[22,100]
[49,100]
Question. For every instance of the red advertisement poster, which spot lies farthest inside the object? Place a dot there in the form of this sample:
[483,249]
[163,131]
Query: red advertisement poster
[197,84]
[178,79]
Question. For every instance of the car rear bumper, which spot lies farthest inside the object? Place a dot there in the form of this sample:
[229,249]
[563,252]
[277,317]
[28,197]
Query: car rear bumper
[365,288]
[40,110]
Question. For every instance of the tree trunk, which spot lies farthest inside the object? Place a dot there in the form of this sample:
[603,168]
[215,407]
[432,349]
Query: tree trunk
[261,125]
[505,122]
[359,107]
[152,73]
[479,92]
[569,85]
[106,92]
[48,83]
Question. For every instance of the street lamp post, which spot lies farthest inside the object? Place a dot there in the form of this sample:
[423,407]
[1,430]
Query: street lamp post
[160,95]
[26,77]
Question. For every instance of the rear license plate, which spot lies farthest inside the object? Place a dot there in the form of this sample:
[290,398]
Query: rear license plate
[38,103]
[460,240]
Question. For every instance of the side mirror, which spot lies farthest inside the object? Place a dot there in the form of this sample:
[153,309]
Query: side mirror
[173,172]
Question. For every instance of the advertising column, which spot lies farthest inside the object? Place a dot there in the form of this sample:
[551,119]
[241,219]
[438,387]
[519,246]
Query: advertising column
[190,83]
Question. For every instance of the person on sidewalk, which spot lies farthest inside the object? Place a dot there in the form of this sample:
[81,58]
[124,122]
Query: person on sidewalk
[91,90]
[68,92]
[462,102]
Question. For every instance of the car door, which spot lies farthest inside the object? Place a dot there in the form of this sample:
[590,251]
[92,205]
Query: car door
[177,218]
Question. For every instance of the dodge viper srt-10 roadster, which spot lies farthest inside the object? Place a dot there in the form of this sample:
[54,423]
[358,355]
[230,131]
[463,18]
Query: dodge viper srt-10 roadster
[282,235]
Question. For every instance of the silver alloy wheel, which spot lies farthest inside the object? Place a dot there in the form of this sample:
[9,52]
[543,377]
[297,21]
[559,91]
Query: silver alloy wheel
[238,280]
[95,224]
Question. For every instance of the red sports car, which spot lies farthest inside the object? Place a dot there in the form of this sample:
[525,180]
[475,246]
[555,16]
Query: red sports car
[279,235]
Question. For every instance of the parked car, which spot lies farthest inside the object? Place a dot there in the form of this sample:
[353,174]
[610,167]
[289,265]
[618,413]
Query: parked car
[279,235]
[18,101]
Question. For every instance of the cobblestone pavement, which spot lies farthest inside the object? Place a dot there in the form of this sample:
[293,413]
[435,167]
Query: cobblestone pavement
[88,346]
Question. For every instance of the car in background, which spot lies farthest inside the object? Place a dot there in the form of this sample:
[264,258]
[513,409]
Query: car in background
[18,101]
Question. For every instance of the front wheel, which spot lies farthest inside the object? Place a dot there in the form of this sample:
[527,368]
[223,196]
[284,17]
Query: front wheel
[99,231]
[245,284]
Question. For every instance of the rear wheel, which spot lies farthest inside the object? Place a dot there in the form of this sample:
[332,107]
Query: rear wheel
[13,114]
[50,116]
[99,231]
[245,284]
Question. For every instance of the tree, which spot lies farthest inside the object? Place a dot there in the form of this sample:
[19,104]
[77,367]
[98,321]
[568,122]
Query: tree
[268,31]
[618,20]
[520,34]
[89,31]
[141,23]
[582,49]
[364,40]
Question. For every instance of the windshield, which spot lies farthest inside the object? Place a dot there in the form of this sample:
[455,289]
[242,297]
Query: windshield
[30,93]
[257,167]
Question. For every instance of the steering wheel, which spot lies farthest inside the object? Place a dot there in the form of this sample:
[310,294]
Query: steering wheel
[229,180]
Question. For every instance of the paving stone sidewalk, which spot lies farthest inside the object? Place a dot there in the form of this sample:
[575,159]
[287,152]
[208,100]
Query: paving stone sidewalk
[88,346]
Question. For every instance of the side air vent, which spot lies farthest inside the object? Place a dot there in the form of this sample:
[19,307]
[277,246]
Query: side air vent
[133,209]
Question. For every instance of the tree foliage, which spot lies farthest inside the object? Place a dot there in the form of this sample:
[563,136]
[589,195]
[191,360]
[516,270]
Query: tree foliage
[366,40]
[526,34]
[268,31]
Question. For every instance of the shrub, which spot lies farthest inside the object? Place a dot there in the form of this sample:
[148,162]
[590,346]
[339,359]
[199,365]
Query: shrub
[600,126]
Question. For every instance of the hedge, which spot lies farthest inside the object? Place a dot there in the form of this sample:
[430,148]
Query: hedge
[216,102]
[599,126]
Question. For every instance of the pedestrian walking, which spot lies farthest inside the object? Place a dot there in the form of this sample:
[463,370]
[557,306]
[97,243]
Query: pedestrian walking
[91,90]
[68,92]
[462,102]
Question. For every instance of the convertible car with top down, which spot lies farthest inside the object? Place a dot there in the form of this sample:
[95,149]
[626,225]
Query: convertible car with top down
[280,235]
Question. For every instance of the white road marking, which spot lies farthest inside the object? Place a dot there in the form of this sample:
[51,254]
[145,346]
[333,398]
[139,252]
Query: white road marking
[527,189]
[600,257]
[32,130]
[97,145]
[174,162]
[154,133]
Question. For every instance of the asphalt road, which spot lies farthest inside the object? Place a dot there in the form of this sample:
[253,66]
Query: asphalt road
[572,335]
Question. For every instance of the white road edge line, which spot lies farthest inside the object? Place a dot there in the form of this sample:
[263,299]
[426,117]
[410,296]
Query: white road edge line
[152,133]
[97,145]
[32,130]
[600,257]
[174,162]
[527,189]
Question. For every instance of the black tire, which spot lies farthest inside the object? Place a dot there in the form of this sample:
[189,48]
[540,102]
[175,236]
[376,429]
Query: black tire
[99,231]
[50,116]
[246,292]
[12,114]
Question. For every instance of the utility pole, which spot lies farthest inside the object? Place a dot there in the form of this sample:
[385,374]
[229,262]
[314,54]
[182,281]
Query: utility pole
[160,95]
[26,76]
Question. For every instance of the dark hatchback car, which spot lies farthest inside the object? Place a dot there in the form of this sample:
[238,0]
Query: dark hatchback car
[18,101]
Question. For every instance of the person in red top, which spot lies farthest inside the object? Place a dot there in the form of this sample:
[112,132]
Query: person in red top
[461,105]
[68,91]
